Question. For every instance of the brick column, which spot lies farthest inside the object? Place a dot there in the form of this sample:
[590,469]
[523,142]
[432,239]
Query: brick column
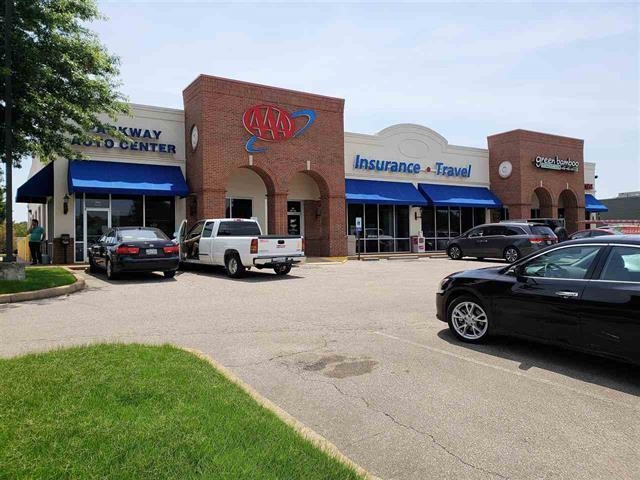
[277,213]
[211,203]
[334,222]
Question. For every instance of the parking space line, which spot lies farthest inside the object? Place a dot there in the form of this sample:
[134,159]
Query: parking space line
[506,370]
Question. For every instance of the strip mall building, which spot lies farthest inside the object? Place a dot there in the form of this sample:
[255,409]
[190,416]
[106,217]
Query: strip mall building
[245,150]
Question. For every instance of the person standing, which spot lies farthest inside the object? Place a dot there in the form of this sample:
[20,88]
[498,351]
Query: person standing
[36,235]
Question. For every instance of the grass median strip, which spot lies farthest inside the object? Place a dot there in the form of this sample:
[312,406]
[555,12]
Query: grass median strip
[134,411]
[37,279]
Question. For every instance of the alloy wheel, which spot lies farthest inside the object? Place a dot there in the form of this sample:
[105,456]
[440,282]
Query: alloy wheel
[469,320]
[455,253]
[511,255]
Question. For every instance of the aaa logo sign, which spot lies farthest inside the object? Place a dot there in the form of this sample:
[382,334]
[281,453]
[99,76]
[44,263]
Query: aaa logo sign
[273,124]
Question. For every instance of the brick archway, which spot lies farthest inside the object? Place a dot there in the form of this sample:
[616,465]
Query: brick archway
[545,199]
[569,209]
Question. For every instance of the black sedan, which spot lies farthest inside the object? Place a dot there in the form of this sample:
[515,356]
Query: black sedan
[581,294]
[134,249]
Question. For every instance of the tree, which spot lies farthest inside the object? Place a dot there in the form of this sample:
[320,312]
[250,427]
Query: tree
[59,78]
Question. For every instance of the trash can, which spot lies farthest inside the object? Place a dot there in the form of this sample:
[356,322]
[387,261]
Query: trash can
[417,244]
[351,245]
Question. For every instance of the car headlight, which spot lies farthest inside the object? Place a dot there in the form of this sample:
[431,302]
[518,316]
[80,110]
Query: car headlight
[443,284]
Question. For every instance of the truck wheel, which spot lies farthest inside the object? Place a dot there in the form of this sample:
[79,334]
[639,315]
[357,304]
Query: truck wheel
[282,269]
[234,266]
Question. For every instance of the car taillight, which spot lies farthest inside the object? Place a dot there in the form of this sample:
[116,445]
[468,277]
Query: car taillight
[172,249]
[254,245]
[124,250]
[537,240]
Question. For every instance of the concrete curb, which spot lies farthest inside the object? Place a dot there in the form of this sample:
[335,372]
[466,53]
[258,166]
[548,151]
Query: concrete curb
[78,285]
[308,434]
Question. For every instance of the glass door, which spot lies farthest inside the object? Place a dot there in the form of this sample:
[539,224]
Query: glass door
[96,222]
[294,218]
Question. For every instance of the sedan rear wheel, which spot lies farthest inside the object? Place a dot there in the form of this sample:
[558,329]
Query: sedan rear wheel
[110,274]
[454,252]
[468,320]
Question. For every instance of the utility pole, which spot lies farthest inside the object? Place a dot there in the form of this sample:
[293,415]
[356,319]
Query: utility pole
[8,129]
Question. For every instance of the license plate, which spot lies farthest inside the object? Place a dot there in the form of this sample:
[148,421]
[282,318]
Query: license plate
[279,260]
[152,251]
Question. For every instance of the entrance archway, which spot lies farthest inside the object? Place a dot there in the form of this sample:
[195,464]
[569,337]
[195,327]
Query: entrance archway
[568,209]
[308,212]
[541,203]
[246,196]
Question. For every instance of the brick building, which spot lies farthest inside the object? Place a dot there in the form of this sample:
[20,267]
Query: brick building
[239,149]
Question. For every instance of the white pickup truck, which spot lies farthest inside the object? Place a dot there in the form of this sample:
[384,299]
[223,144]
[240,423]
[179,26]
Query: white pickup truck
[238,244]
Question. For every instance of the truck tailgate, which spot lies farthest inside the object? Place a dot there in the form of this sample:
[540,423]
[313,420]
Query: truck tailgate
[279,246]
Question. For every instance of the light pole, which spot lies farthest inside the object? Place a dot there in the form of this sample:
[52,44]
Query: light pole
[8,135]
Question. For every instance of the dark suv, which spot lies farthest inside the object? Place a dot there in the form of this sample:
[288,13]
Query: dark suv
[510,241]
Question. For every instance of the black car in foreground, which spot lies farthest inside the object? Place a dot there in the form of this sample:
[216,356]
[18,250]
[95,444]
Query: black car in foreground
[581,294]
[134,249]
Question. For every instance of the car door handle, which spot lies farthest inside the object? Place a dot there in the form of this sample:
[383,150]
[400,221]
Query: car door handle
[567,294]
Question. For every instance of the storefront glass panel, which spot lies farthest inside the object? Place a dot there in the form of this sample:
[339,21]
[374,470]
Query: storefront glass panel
[479,216]
[96,201]
[402,228]
[160,212]
[454,221]
[466,219]
[239,208]
[442,228]
[371,228]
[79,231]
[385,228]
[126,211]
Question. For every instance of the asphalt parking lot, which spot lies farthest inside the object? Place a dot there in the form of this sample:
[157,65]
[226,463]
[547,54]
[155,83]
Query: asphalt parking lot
[355,352]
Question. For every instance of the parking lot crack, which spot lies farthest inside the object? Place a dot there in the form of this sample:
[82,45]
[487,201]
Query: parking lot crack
[368,405]
[440,445]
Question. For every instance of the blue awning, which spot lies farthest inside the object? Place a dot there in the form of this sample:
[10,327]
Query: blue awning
[592,204]
[91,176]
[459,196]
[384,193]
[38,187]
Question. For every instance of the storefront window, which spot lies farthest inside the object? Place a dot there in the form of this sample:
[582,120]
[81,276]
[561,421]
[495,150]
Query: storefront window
[96,201]
[402,228]
[466,219]
[239,208]
[442,227]
[385,227]
[371,228]
[160,212]
[79,233]
[454,221]
[479,216]
[354,210]
[294,218]
[126,211]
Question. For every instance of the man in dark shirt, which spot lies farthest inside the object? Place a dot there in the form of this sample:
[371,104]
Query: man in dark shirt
[36,235]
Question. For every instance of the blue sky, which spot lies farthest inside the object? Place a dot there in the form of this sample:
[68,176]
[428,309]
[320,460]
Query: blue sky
[466,70]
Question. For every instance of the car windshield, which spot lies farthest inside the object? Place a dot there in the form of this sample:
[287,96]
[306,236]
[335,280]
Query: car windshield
[542,230]
[141,234]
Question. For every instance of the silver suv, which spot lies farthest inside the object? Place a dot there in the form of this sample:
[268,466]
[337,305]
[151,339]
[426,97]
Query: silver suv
[507,240]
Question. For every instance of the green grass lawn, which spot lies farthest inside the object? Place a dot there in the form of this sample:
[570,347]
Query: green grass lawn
[134,411]
[37,279]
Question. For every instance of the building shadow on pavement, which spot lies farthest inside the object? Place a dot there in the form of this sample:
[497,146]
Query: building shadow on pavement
[609,373]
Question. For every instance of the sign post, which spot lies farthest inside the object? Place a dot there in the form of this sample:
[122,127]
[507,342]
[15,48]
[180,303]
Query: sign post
[358,230]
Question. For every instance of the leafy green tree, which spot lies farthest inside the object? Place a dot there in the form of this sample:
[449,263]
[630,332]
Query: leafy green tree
[62,78]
